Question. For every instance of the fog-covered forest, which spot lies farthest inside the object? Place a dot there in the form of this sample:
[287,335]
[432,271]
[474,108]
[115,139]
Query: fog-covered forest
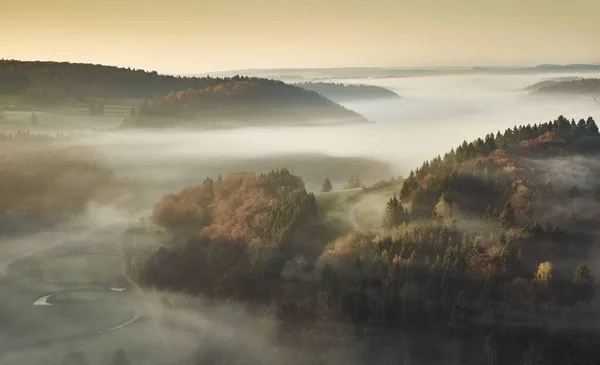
[458,228]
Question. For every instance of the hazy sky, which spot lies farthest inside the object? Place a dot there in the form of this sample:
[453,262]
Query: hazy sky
[193,36]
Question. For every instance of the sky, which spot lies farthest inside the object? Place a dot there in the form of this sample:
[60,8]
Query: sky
[197,36]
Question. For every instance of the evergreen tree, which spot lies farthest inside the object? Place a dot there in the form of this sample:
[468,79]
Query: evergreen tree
[329,282]
[120,358]
[581,126]
[575,192]
[490,144]
[507,216]
[489,214]
[327,187]
[528,210]
[395,214]
[590,127]
[33,119]
[583,284]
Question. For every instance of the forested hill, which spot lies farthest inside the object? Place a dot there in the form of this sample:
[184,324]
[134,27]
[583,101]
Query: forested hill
[348,92]
[164,99]
[539,85]
[488,253]
[242,99]
[575,87]
[57,81]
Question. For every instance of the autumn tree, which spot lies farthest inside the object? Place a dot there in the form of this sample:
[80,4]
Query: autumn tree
[545,273]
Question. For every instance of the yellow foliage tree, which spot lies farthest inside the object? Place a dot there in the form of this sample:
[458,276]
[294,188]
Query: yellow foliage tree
[545,272]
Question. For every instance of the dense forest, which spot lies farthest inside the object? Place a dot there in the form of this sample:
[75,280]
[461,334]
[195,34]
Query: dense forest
[484,256]
[163,100]
[57,82]
[348,92]
[539,85]
[242,99]
[576,86]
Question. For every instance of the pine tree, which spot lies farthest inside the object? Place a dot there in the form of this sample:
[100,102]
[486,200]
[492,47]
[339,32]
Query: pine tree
[528,210]
[327,187]
[590,127]
[575,192]
[583,284]
[33,119]
[121,358]
[395,214]
[489,214]
[581,126]
[507,216]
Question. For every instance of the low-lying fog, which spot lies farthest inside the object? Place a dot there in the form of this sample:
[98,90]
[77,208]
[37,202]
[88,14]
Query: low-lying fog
[433,115]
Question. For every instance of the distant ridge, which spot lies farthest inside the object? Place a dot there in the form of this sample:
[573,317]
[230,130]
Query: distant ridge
[307,74]
[590,87]
[348,92]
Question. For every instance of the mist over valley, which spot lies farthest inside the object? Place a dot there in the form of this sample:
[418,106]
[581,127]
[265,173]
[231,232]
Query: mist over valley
[226,221]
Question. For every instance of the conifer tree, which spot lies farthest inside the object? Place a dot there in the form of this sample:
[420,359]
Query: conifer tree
[327,187]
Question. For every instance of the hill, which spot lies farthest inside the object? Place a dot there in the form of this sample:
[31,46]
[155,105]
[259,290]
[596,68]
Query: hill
[242,100]
[538,85]
[47,85]
[573,87]
[490,246]
[348,92]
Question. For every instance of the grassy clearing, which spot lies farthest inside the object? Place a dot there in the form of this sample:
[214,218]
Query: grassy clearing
[332,200]
[84,268]
[35,324]
[84,296]
[140,342]
[360,209]
[54,121]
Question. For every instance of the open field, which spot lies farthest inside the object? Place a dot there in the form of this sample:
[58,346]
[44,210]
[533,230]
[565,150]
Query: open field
[332,200]
[83,309]
[84,268]
[360,209]
[49,122]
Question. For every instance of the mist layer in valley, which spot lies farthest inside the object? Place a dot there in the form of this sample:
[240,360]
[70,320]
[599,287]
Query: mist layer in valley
[434,115]
[78,266]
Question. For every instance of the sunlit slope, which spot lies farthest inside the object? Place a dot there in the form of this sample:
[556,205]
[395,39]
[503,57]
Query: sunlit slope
[360,209]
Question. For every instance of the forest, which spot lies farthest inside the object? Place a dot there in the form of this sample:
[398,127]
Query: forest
[162,100]
[243,99]
[485,255]
[348,92]
[588,86]
[55,82]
